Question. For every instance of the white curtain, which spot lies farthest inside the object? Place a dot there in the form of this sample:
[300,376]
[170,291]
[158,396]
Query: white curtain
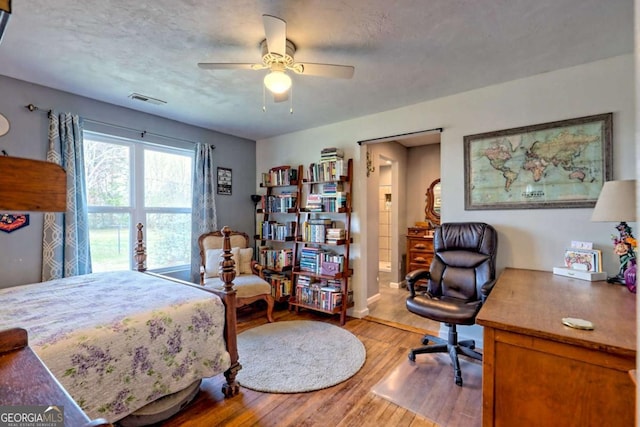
[204,206]
[65,240]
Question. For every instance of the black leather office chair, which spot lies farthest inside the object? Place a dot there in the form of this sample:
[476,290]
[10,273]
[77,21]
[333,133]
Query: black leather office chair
[462,274]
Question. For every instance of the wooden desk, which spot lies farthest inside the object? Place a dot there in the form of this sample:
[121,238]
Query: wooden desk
[25,380]
[538,372]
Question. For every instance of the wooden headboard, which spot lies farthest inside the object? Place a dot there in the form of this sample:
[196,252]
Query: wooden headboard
[32,185]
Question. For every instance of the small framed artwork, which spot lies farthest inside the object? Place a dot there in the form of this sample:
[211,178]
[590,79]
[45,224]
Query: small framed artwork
[561,164]
[224,181]
[583,259]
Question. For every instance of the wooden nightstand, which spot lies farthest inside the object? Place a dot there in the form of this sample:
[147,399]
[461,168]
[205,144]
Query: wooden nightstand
[27,381]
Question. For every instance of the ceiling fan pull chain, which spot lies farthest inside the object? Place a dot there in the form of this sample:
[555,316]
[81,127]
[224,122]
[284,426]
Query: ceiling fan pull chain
[291,100]
[264,102]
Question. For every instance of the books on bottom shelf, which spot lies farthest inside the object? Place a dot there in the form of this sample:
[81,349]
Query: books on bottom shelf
[325,294]
[281,285]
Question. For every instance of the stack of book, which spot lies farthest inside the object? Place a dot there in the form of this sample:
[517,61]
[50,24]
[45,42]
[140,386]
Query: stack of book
[331,166]
[335,236]
[314,203]
[331,154]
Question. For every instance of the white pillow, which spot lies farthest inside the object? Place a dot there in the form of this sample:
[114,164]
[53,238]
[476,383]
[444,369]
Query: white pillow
[246,255]
[214,258]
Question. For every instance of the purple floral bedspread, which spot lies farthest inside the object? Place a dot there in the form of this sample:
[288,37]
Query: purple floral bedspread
[119,340]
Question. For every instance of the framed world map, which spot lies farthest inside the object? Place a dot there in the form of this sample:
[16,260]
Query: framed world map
[561,164]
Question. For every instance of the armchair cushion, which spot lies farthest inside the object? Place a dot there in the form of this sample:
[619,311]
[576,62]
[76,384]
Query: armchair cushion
[213,259]
[244,260]
[246,285]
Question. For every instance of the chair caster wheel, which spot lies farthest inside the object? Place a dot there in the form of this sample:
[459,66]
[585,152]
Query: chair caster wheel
[425,341]
[412,356]
[459,382]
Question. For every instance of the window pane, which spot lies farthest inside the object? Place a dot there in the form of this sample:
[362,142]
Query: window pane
[168,239]
[108,176]
[167,180]
[110,241]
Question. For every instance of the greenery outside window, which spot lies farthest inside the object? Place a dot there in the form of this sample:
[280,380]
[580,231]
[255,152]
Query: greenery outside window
[132,181]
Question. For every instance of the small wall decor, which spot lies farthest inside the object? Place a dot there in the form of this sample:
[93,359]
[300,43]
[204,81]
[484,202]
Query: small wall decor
[224,181]
[4,125]
[11,222]
[561,164]
[370,167]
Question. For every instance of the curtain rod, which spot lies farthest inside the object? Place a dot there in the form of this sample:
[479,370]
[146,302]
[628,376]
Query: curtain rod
[142,133]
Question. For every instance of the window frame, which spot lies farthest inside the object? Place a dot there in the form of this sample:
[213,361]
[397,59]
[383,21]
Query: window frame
[137,209]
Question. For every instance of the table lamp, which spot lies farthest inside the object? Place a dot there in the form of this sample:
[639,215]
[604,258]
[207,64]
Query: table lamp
[617,203]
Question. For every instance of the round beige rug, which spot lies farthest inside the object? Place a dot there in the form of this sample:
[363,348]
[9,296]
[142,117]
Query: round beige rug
[297,356]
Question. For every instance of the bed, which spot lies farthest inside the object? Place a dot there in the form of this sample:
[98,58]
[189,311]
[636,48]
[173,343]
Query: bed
[118,341]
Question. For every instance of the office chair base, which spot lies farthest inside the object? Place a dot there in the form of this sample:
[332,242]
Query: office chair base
[452,346]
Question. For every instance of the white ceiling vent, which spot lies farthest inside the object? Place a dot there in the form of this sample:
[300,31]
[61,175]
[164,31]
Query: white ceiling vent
[145,98]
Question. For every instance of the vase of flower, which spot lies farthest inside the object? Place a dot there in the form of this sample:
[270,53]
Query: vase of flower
[630,276]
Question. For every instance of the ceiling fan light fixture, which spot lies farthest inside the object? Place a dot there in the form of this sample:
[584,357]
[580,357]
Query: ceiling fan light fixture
[277,81]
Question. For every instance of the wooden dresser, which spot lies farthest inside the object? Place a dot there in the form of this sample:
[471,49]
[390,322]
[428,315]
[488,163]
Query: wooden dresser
[538,372]
[419,249]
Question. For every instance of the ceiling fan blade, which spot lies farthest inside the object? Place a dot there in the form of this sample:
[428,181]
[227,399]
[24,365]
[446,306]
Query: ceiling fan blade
[328,70]
[281,97]
[275,30]
[225,66]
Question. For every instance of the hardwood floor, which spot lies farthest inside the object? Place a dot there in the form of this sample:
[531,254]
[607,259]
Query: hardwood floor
[350,403]
[391,309]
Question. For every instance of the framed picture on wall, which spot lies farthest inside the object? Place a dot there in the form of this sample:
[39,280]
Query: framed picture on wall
[561,164]
[224,181]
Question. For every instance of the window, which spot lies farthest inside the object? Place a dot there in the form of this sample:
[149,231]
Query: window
[129,182]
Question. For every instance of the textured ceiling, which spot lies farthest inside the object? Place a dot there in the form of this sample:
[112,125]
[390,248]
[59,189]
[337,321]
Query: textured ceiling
[404,52]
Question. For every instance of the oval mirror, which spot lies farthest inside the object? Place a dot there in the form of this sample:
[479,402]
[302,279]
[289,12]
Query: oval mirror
[432,209]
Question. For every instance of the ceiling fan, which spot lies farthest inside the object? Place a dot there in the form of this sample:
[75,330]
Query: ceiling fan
[278,57]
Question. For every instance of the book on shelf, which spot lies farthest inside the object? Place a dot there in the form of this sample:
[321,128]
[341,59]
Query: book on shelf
[281,285]
[282,202]
[280,175]
[314,229]
[331,170]
[273,230]
[275,259]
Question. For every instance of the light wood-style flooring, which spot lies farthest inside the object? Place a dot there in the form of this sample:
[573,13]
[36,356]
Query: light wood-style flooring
[350,403]
[391,309]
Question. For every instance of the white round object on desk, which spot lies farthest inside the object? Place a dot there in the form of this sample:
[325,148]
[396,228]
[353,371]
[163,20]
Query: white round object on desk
[4,125]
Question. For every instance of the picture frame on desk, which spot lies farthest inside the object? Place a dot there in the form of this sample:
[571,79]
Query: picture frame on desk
[583,259]
[561,164]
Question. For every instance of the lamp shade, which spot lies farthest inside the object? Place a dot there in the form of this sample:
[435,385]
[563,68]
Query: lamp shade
[277,82]
[616,202]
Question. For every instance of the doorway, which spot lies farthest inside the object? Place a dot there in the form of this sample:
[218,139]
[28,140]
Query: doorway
[399,173]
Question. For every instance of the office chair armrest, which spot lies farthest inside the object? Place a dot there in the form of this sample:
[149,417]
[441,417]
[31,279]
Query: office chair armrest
[485,290]
[413,277]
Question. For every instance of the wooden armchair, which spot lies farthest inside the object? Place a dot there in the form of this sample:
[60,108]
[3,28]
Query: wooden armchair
[249,282]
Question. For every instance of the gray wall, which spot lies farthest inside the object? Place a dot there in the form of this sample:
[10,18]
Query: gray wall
[21,251]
